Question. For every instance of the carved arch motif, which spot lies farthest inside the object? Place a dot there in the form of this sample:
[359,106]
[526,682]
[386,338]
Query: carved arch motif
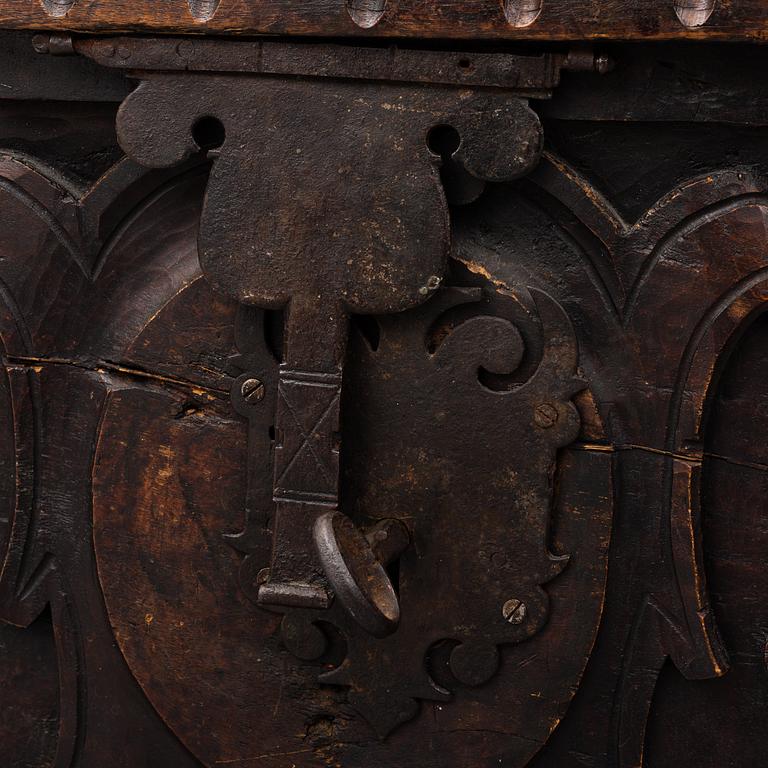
[60,249]
[658,368]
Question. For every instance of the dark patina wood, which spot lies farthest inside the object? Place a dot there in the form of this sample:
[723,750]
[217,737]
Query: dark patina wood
[378,406]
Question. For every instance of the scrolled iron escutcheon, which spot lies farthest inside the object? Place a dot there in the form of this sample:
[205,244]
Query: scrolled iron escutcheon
[325,201]
[344,242]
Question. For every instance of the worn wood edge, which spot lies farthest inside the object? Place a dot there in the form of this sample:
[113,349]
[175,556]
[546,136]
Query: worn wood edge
[468,19]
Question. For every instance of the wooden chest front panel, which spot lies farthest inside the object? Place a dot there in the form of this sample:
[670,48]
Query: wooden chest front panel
[570,425]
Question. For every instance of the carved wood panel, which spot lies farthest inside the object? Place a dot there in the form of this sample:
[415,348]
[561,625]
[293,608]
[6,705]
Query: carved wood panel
[549,426]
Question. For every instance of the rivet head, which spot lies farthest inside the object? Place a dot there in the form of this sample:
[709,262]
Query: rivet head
[522,13]
[694,13]
[41,43]
[366,13]
[186,49]
[545,415]
[252,390]
[603,65]
[433,283]
[514,611]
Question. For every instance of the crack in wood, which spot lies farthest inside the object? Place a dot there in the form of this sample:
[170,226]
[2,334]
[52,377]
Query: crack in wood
[695,460]
[108,367]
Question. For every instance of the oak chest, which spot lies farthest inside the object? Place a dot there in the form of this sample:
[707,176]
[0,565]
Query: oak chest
[383,384]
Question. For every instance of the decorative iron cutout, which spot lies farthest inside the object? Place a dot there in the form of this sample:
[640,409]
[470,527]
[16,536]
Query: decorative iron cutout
[343,244]
[473,481]
[426,388]
[325,201]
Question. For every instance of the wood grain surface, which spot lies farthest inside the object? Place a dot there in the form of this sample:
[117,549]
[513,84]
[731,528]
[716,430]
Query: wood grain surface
[130,636]
[446,19]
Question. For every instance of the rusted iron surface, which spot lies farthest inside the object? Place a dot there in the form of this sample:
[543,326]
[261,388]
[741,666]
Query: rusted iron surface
[526,75]
[367,236]
[352,220]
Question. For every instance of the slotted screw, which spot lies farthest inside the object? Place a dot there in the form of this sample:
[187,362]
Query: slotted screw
[252,390]
[514,611]
[545,415]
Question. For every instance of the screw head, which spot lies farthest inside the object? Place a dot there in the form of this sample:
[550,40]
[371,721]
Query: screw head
[252,390]
[41,43]
[545,415]
[433,283]
[603,64]
[514,611]
[186,49]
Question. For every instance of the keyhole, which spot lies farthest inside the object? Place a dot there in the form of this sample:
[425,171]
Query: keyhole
[208,133]
[460,186]
[443,140]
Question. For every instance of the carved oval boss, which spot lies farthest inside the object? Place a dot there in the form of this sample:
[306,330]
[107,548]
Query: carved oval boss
[325,189]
